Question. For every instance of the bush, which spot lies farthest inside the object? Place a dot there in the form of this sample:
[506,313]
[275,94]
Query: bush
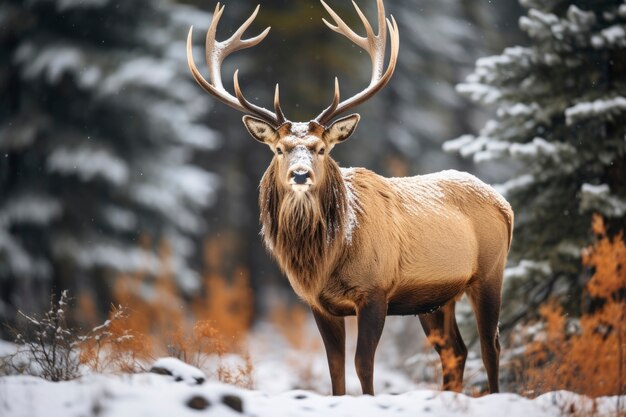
[586,355]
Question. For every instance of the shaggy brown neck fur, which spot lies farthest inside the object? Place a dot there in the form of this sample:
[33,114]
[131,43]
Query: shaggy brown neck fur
[301,231]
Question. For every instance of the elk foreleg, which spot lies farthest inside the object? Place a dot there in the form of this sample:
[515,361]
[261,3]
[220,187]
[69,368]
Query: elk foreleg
[333,333]
[371,320]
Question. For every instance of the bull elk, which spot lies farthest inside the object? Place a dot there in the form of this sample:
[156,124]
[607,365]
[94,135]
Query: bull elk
[352,242]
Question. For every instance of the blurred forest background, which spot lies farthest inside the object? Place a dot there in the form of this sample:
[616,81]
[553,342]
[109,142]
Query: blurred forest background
[115,164]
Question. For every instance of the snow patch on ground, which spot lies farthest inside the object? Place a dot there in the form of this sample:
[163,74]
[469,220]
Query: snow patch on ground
[158,395]
[179,370]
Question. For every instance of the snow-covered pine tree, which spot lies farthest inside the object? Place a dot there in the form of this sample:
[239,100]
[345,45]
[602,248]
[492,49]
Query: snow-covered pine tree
[98,122]
[440,41]
[560,117]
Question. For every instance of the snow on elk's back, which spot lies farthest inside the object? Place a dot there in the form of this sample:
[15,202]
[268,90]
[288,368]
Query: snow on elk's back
[353,204]
[424,193]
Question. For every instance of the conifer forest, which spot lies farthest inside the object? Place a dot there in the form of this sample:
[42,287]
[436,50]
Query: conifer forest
[155,259]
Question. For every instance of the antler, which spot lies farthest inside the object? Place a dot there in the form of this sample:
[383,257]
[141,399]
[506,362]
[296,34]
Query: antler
[374,44]
[216,52]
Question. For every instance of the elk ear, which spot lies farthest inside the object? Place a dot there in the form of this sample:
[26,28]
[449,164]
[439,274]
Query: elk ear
[341,129]
[260,130]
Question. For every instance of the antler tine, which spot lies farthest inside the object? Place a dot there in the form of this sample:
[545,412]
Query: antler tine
[375,45]
[216,52]
[265,114]
[366,23]
[280,116]
[235,43]
[333,106]
[211,44]
[342,28]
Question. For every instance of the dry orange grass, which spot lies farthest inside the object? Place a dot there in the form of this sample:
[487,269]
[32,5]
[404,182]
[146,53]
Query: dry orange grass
[113,346]
[589,359]
[156,321]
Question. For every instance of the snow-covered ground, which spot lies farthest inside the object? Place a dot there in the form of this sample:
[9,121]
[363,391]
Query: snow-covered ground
[160,395]
[287,382]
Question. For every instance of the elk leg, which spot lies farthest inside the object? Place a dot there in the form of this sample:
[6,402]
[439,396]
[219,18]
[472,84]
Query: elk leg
[371,320]
[333,333]
[443,332]
[486,301]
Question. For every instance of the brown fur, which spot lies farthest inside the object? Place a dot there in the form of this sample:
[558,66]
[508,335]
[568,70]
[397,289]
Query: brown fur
[302,232]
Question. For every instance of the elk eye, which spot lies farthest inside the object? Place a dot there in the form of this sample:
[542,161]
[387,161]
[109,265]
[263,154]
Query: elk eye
[322,151]
[279,151]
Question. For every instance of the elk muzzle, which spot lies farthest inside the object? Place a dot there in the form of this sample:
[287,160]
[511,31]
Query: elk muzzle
[300,176]
[300,179]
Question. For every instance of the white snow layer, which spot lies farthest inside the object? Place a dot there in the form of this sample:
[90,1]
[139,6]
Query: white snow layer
[180,370]
[19,260]
[590,109]
[527,268]
[599,198]
[88,162]
[30,208]
[53,61]
[158,395]
[85,4]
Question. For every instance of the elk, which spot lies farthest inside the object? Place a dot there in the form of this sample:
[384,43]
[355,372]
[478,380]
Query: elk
[352,242]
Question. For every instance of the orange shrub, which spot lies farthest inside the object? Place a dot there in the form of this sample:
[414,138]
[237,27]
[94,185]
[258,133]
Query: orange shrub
[159,321]
[589,359]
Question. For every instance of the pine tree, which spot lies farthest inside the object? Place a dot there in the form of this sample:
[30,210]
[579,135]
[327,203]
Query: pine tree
[98,125]
[440,40]
[560,120]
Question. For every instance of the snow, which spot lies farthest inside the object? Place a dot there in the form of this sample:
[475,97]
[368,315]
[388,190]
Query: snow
[7,348]
[173,189]
[53,61]
[455,145]
[63,5]
[517,183]
[527,267]
[178,119]
[142,72]
[300,129]
[88,162]
[97,252]
[538,146]
[599,198]
[119,218]
[610,37]
[18,260]
[180,371]
[30,208]
[590,109]
[159,395]
[354,205]
[300,157]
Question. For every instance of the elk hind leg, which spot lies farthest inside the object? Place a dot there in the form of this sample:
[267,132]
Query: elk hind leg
[443,332]
[486,300]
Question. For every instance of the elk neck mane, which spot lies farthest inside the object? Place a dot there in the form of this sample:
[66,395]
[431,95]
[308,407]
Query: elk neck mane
[302,232]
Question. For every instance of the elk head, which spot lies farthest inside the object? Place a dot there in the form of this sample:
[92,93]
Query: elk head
[300,149]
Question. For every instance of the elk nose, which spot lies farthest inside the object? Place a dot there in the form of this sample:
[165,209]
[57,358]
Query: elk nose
[300,177]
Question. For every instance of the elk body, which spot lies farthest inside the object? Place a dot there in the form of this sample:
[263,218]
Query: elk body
[352,242]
